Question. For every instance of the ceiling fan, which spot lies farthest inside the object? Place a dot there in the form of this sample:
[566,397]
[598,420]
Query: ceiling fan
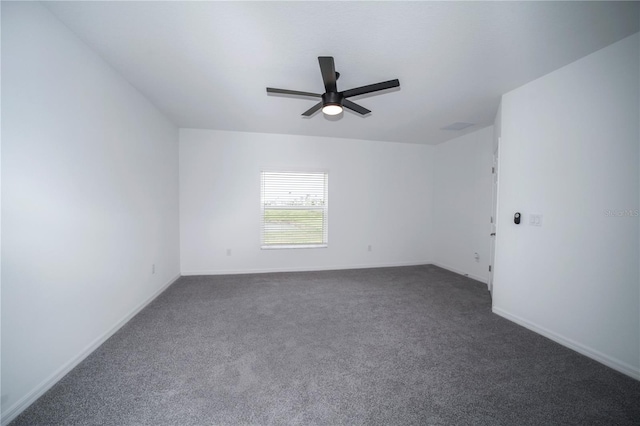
[333,101]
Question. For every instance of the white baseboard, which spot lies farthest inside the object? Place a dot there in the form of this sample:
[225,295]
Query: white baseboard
[483,280]
[19,406]
[617,365]
[299,269]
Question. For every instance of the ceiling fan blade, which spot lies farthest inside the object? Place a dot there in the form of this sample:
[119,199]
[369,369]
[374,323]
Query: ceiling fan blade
[328,70]
[355,107]
[371,88]
[312,110]
[292,92]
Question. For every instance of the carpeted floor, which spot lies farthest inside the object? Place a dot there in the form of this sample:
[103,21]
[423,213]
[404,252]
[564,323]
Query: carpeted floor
[388,346]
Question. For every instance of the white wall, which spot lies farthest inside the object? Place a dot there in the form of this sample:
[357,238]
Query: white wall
[569,151]
[89,202]
[462,203]
[379,194]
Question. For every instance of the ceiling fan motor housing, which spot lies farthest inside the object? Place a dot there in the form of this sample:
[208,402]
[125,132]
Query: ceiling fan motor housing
[332,98]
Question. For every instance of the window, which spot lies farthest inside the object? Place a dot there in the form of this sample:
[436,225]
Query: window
[294,209]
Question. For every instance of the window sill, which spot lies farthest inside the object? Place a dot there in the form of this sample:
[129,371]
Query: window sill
[292,246]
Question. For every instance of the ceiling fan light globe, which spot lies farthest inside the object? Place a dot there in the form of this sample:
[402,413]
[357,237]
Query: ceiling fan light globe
[331,109]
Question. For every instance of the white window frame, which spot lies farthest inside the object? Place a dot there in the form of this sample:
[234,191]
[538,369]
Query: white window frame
[324,208]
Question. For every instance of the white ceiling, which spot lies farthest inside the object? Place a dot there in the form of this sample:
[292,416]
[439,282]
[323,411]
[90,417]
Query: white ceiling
[207,64]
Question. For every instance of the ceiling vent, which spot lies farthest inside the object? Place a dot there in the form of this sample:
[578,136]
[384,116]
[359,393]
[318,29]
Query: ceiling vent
[457,126]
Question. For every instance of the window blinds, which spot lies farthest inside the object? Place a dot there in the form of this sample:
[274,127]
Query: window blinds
[294,209]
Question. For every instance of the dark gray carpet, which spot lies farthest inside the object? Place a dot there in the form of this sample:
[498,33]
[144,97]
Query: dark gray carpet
[388,346]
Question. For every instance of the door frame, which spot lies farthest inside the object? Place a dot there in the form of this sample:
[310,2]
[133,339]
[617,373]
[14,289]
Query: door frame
[494,215]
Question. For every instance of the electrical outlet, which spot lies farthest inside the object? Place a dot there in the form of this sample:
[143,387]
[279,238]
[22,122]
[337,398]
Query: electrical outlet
[535,219]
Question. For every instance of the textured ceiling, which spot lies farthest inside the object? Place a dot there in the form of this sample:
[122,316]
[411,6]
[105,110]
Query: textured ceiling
[207,64]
